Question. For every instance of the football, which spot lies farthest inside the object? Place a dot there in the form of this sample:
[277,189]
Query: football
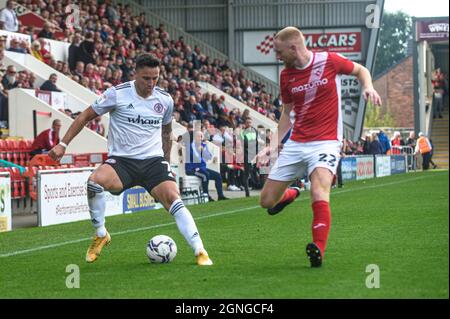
[161,249]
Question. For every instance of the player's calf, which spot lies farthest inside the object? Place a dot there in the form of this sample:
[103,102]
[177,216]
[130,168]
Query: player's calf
[97,206]
[289,196]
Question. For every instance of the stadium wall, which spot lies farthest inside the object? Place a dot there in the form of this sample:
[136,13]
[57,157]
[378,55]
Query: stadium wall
[22,104]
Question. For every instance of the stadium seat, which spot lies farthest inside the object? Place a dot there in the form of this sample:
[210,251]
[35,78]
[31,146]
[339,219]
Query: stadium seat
[2,149]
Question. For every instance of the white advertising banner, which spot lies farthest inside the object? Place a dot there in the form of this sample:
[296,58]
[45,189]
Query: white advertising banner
[258,45]
[63,198]
[5,203]
[382,165]
[59,100]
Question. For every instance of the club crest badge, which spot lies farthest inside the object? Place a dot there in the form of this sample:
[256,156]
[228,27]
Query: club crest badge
[158,107]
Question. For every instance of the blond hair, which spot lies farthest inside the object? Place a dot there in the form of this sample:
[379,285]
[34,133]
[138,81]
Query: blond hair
[289,34]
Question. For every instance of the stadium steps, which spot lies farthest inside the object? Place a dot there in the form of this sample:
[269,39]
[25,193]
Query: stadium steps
[440,139]
[176,32]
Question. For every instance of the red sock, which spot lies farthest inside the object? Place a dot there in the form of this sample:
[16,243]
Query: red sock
[289,194]
[321,224]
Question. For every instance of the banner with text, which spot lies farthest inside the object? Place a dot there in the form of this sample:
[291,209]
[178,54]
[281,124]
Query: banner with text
[382,165]
[63,198]
[259,47]
[398,164]
[5,203]
[138,199]
[348,167]
[364,167]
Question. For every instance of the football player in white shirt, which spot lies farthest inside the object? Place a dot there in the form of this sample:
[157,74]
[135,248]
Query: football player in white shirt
[139,143]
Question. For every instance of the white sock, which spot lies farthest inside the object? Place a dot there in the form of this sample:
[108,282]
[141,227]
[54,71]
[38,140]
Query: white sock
[97,207]
[186,225]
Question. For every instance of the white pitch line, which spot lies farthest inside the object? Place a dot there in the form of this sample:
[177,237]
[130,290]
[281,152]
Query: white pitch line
[20,252]
[129,231]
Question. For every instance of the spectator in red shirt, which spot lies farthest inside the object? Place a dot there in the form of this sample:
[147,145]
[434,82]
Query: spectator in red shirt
[45,141]
[397,142]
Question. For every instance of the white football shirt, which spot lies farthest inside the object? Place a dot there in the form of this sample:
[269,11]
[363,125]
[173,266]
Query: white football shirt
[135,123]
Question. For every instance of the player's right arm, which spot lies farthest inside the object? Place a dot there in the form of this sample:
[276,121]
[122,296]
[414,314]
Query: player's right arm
[104,104]
[77,125]
[284,125]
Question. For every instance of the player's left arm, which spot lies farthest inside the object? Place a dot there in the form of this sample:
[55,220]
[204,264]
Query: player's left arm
[167,140]
[365,78]
[166,131]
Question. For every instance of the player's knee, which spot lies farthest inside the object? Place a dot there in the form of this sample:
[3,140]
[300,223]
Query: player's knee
[93,189]
[169,198]
[320,193]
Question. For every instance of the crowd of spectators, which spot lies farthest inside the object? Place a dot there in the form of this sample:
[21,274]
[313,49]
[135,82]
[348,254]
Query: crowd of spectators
[104,45]
[102,52]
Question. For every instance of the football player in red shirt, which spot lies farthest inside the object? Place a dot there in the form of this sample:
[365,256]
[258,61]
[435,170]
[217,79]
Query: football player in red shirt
[310,87]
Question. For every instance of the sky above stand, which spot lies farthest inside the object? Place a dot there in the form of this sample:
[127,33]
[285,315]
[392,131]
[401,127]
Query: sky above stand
[418,8]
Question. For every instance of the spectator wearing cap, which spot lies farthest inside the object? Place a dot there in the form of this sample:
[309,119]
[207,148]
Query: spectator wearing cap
[425,148]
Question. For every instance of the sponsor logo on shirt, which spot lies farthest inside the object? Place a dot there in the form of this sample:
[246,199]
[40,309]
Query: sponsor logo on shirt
[144,121]
[309,86]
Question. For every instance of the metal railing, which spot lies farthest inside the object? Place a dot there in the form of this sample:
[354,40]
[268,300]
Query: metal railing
[176,32]
[410,155]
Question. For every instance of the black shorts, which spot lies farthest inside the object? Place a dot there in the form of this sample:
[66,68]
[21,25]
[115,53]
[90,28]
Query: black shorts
[147,173]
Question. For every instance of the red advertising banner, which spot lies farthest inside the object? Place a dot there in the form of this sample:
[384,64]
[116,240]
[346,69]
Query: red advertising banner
[45,96]
[433,29]
[364,167]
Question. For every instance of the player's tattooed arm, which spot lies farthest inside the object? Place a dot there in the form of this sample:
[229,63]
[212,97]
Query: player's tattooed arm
[167,140]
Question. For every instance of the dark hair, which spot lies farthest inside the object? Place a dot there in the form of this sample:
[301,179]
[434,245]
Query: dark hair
[146,60]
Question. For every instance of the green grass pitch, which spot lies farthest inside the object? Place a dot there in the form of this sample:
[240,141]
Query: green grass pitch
[399,223]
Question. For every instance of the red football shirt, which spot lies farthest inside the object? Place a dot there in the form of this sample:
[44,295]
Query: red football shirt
[315,92]
[45,141]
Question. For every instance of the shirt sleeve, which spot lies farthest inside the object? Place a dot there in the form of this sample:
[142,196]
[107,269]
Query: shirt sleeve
[2,15]
[206,154]
[285,94]
[106,102]
[341,63]
[169,112]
